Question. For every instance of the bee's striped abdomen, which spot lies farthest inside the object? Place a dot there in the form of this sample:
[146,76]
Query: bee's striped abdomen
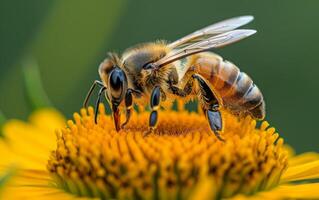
[236,88]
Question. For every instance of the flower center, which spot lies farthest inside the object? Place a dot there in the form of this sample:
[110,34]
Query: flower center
[95,160]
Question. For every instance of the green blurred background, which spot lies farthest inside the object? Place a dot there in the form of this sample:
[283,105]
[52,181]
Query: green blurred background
[67,39]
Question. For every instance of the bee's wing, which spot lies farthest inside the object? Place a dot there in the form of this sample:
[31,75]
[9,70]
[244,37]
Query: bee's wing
[216,41]
[214,29]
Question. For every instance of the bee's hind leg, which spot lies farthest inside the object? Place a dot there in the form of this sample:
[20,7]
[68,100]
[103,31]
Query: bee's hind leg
[210,106]
[154,103]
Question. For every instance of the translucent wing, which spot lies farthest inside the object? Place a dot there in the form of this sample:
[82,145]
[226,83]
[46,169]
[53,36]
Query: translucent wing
[216,41]
[214,29]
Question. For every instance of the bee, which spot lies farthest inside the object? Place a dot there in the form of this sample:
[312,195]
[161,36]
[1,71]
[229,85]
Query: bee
[160,71]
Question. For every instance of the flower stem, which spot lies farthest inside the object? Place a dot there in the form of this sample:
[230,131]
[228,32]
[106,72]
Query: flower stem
[33,84]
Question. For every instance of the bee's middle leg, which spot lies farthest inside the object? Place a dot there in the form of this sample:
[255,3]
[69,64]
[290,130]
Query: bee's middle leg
[129,104]
[155,104]
[184,91]
[210,106]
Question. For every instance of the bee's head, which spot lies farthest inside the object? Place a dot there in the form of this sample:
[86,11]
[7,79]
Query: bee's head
[115,80]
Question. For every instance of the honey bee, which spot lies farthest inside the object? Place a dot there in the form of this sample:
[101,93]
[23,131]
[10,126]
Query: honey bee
[161,71]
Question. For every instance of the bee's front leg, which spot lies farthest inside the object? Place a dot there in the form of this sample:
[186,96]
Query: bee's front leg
[210,106]
[98,101]
[154,103]
[95,83]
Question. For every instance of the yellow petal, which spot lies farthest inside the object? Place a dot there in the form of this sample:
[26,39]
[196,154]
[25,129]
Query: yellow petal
[47,119]
[302,172]
[303,158]
[33,184]
[28,145]
[29,193]
[18,160]
[302,191]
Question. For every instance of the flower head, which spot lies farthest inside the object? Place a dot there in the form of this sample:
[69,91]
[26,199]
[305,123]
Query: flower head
[181,160]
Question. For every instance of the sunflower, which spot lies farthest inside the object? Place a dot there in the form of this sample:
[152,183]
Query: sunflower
[79,159]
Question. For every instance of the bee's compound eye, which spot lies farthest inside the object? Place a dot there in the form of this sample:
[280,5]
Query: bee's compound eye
[117,83]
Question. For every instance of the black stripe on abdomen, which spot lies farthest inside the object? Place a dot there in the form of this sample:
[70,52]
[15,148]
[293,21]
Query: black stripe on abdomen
[240,87]
[252,98]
